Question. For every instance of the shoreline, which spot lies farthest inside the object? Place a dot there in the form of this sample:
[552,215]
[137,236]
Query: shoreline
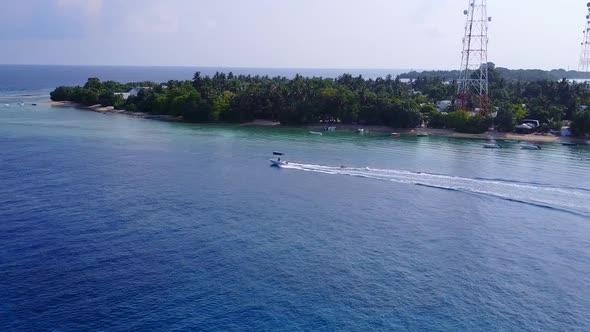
[112,110]
[538,138]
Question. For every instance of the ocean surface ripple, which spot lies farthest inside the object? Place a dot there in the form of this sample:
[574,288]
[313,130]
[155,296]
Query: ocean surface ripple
[113,223]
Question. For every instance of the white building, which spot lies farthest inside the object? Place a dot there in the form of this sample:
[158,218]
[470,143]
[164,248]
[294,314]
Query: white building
[131,93]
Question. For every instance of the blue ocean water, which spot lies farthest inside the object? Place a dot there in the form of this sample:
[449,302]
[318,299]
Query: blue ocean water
[45,77]
[115,223]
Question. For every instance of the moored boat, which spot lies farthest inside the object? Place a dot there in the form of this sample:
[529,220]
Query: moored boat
[530,146]
[492,145]
[316,133]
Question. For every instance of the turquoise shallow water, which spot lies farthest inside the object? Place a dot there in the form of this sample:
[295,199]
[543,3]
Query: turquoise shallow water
[115,223]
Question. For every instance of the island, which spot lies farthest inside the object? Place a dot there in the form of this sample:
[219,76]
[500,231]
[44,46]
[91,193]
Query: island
[422,101]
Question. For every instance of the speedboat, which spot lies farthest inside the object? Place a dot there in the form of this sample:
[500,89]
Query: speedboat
[331,128]
[316,133]
[421,135]
[530,146]
[395,134]
[278,162]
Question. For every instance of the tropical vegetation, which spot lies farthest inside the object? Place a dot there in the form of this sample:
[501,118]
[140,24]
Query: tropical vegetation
[346,99]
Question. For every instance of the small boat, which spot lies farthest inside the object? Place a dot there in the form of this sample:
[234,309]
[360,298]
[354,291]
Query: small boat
[21,104]
[316,133]
[395,134]
[331,128]
[421,135]
[530,146]
[360,131]
[278,153]
[510,141]
[569,143]
[33,104]
[278,162]
[492,145]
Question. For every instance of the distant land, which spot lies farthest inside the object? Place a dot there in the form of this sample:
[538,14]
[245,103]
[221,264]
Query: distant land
[18,77]
[525,75]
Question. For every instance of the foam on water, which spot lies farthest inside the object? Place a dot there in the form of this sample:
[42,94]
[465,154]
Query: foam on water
[568,199]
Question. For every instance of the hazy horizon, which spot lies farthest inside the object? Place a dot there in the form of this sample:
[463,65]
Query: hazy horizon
[306,34]
[271,68]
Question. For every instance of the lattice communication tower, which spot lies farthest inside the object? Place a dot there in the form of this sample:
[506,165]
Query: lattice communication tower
[473,86]
[584,65]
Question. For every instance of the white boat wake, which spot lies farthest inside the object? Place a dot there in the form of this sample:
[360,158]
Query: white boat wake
[567,199]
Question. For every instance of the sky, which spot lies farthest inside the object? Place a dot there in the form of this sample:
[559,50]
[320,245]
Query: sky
[384,34]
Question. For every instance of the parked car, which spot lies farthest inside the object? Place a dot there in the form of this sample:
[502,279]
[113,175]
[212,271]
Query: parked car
[527,126]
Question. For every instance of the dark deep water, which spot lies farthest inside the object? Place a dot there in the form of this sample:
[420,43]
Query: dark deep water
[114,223]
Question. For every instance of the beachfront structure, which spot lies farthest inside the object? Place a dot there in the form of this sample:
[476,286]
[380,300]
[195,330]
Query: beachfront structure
[131,93]
[473,86]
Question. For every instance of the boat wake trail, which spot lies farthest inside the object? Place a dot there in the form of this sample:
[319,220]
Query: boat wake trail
[567,199]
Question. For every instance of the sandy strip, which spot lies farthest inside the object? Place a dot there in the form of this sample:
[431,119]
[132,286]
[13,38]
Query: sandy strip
[112,110]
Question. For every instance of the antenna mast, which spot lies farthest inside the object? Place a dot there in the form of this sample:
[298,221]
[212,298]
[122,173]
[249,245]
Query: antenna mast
[584,65]
[473,86]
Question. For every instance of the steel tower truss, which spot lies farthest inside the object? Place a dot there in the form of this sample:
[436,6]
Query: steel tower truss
[584,65]
[473,86]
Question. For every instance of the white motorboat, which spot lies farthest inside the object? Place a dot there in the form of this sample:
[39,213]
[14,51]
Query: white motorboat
[530,146]
[278,162]
[492,145]
[316,133]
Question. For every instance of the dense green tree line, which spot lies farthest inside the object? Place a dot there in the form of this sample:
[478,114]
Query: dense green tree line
[524,75]
[95,92]
[230,98]
[346,99]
